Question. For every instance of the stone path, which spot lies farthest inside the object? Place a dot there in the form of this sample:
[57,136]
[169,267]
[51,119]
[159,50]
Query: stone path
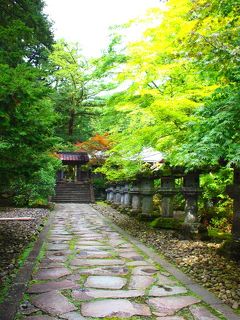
[89,271]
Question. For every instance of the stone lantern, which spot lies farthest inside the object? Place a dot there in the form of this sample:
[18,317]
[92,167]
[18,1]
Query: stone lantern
[127,196]
[135,197]
[191,191]
[147,191]
[167,191]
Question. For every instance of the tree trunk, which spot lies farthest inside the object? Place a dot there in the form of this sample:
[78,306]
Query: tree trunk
[71,122]
[236,205]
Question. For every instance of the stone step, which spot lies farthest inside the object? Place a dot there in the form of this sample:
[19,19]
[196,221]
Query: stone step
[71,197]
[72,201]
[73,192]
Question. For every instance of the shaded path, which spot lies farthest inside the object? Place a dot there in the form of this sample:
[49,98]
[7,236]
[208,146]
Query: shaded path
[90,271]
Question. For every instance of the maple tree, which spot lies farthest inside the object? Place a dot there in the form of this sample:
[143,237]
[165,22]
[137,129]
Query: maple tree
[96,147]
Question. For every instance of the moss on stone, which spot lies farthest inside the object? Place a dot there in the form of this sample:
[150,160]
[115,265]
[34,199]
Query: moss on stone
[166,223]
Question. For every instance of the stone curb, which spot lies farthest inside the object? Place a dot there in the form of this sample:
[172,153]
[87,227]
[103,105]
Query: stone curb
[203,293]
[9,307]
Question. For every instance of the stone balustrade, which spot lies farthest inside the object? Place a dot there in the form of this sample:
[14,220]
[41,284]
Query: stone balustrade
[138,197]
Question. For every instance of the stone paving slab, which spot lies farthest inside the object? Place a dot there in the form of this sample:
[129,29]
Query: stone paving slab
[89,294]
[137,263]
[93,254]
[102,275]
[166,291]
[163,280]
[52,258]
[140,282]
[40,318]
[53,303]
[72,316]
[105,282]
[117,308]
[172,318]
[52,285]
[144,271]
[168,306]
[90,243]
[92,248]
[102,271]
[57,246]
[51,265]
[52,273]
[96,262]
[200,313]
[131,256]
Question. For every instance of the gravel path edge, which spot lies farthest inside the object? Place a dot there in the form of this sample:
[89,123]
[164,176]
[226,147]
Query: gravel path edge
[8,308]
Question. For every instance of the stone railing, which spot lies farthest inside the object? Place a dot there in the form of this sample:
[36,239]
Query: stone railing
[137,197]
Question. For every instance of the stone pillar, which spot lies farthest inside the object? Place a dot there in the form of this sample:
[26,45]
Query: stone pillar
[233,248]
[136,198]
[111,194]
[122,195]
[60,175]
[114,194]
[118,195]
[167,191]
[79,175]
[127,196]
[191,191]
[236,205]
[108,193]
[147,191]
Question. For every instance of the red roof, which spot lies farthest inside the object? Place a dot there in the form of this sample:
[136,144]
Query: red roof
[73,156]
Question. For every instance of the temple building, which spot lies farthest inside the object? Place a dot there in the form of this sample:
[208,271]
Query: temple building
[74,179]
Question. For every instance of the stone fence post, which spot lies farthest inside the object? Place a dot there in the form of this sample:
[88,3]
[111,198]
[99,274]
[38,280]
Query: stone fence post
[191,191]
[118,195]
[135,197]
[108,191]
[167,191]
[122,195]
[233,248]
[147,191]
[114,195]
[127,196]
[110,194]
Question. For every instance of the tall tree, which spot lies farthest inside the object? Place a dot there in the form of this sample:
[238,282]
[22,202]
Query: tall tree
[80,88]
[27,116]
[25,32]
[164,87]
[214,47]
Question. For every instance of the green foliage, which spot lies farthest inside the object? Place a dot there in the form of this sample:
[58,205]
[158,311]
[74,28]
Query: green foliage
[218,235]
[25,33]
[27,115]
[166,223]
[215,137]
[215,205]
[163,88]
[36,189]
[179,93]
[214,48]
[79,90]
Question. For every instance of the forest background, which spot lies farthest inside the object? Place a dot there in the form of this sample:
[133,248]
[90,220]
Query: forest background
[174,88]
